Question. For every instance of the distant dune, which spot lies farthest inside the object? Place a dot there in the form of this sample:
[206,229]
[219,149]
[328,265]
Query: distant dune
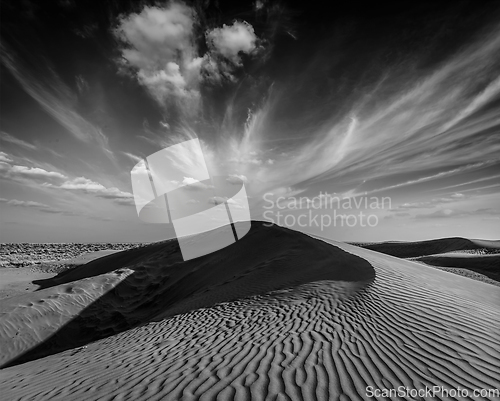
[487,265]
[476,259]
[277,316]
[432,247]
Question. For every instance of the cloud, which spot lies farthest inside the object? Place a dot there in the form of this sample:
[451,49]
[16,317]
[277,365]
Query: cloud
[246,160]
[4,136]
[237,179]
[56,99]
[36,205]
[225,47]
[156,35]
[91,187]
[35,172]
[87,30]
[27,175]
[481,189]
[431,203]
[191,183]
[4,157]
[440,175]
[402,130]
[217,200]
[230,40]
[448,213]
[133,157]
[493,177]
[166,82]
[393,216]
[56,180]
[81,84]
[259,5]
[159,48]
[16,173]
[81,183]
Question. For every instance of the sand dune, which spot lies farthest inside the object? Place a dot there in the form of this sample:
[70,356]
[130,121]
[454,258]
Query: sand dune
[477,259]
[16,281]
[485,267]
[277,316]
[489,262]
[432,247]
[125,289]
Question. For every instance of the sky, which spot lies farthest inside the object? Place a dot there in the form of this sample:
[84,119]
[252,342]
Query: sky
[365,121]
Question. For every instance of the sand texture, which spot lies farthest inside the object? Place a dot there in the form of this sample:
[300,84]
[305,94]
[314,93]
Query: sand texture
[277,316]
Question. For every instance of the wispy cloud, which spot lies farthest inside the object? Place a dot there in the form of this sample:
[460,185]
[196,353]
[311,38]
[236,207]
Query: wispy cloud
[453,213]
[463,184]
[4,157]
[132,157]
[479,189]
[456,197]
[56,99]
[432,126]
[38,206]
[432,177]
[4,136]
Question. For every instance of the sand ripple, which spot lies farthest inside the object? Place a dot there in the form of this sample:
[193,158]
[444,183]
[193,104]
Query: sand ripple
[412,326]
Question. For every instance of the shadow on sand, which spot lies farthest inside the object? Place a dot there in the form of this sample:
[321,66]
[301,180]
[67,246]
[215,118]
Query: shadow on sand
[160,284]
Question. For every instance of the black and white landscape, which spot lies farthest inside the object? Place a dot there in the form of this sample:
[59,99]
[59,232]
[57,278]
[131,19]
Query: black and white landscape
[256,200]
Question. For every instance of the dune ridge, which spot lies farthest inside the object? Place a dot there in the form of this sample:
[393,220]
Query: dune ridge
[129,288]
[476,259]
[324,339]
[431,247]
[487,262]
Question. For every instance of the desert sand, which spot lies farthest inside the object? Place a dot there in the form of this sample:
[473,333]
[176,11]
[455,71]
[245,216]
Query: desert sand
[279,315]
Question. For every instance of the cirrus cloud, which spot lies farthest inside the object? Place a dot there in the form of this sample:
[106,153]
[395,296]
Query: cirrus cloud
[36,205]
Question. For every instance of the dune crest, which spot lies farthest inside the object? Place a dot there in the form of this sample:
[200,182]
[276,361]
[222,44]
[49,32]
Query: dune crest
[129,288]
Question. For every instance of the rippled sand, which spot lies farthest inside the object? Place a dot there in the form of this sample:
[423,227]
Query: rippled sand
[277,316]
